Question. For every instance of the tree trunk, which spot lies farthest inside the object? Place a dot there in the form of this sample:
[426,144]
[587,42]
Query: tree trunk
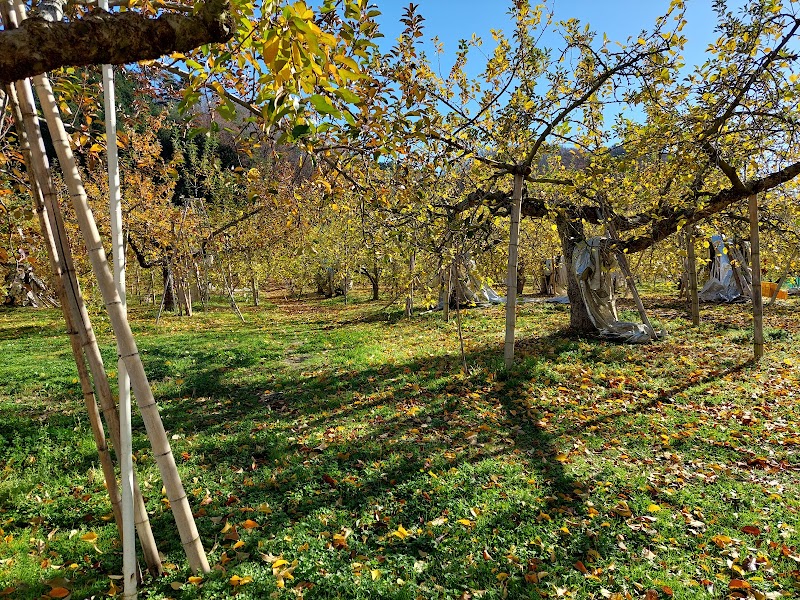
[758,303]
[410,298]
[169,287]
[571,231]
[254,288]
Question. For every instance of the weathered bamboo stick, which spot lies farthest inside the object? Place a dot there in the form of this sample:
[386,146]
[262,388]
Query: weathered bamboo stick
[129,353]
[106,462]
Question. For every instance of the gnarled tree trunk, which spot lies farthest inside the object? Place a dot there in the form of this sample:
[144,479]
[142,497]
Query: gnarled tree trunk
[571,231]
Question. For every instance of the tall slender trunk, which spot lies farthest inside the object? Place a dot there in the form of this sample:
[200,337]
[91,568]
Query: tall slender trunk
[511,276]
[128,350]
[758,303]
[168,277]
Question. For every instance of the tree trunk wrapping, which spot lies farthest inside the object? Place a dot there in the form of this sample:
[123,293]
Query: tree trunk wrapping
[570,231]
[694,299]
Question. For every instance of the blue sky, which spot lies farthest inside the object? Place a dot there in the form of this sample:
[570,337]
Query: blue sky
[452,20]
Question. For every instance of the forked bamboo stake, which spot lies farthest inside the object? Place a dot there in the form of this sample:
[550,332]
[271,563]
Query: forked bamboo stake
[129,352]
[76,309]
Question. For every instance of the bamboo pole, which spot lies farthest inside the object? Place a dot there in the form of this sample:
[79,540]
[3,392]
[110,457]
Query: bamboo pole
[694,300]
[78,315]
[129,352]
[125,450]
[622,259]
[755,258]
[511,277]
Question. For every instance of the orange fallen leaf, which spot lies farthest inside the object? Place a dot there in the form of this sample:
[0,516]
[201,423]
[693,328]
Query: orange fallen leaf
[581,567]
[59,592]
[751,529]
[738,584]
[250,524]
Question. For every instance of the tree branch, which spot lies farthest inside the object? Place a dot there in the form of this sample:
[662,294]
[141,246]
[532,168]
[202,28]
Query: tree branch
[38,46]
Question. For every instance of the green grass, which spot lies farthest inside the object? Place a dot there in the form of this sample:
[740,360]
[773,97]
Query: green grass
[348,442]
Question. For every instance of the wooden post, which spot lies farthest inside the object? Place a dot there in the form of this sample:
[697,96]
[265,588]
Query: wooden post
[758,304]
[694,300]
[511,276]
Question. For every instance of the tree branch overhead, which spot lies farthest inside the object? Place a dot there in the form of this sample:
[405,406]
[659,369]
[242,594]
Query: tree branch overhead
[38,46]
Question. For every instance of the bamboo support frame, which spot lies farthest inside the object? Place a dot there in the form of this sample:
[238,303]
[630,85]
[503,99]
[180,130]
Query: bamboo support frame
[129,352]
[87,390]
[75,312]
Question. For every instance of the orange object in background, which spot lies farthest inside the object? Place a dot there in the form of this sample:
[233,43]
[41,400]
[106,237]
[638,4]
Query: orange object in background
[768,288]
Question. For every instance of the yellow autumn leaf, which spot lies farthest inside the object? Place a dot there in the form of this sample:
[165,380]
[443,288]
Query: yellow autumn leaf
[401,532]
[250,524]
[653,508]
[465,522]
[375,573]
[194,580]
[90,537]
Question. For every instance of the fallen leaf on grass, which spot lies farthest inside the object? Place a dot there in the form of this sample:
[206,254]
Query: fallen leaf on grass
[236,581]
[738,584]
[752,530]
[401,532]
[622,509]
[465,522]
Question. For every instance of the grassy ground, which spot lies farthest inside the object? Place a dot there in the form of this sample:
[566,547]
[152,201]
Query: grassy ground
[335,451]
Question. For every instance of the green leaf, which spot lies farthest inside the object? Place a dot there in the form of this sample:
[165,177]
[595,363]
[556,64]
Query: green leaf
[323,106]
[299,131]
